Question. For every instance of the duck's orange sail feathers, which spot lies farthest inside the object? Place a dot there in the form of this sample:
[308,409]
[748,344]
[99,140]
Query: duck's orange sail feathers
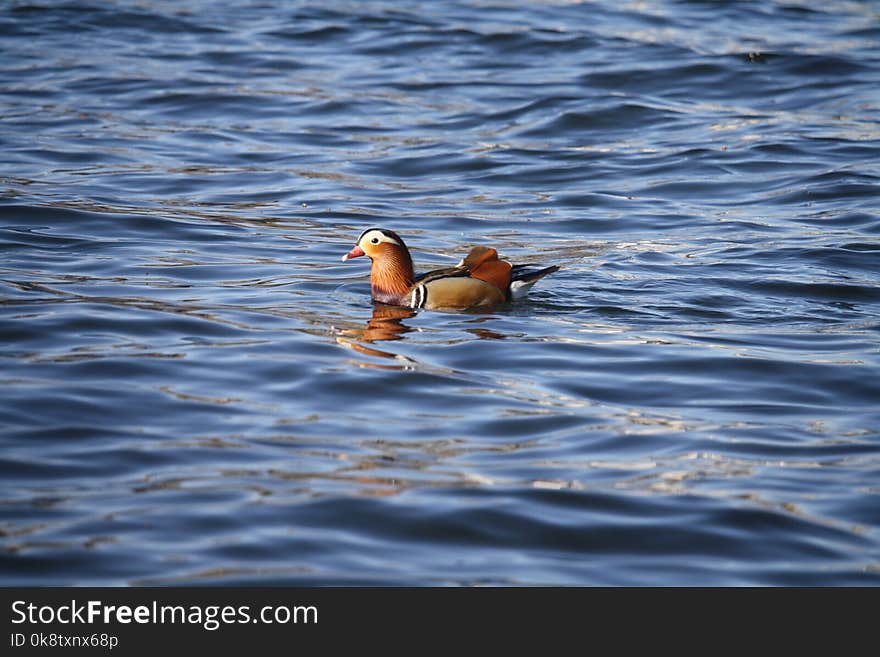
[483,263]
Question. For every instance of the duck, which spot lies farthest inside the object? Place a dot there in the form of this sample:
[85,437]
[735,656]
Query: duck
[480,279]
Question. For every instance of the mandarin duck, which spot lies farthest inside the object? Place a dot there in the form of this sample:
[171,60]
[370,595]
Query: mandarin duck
[480,279]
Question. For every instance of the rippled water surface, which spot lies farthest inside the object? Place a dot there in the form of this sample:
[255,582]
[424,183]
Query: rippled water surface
[196,390]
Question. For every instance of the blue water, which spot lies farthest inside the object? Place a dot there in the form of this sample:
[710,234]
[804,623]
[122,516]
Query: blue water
[195,390]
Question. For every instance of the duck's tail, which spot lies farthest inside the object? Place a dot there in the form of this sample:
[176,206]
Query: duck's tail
[523,277]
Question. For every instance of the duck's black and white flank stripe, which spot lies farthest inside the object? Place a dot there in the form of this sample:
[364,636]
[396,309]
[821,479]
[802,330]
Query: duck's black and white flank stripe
[419,296]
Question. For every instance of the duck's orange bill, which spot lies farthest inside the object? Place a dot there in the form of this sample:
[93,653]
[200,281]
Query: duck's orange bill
[356,252]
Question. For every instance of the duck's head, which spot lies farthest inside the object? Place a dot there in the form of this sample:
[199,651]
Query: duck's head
[378,244]
[391,274]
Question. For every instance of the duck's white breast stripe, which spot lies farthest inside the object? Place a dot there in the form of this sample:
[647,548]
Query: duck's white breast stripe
[419,296]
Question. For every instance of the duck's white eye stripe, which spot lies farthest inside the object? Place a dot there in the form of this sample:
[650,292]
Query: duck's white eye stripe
[377,236]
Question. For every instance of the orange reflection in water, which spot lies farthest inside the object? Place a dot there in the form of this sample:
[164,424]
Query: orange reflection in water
[385,324]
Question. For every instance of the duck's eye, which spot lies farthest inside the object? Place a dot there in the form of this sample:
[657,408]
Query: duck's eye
[375,240]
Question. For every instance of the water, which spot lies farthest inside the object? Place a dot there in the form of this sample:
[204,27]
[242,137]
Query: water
[197,391]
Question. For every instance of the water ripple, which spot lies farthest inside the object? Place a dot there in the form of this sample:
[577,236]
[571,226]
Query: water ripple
[196,390]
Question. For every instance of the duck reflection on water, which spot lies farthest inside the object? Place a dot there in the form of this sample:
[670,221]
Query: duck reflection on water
[387,324]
